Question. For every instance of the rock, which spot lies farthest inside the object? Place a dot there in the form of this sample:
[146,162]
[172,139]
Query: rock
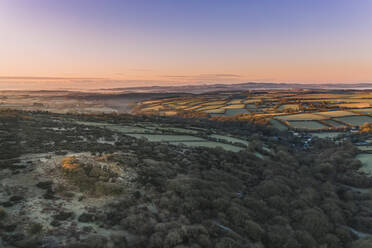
[86,217]
[63,215]
[45,185]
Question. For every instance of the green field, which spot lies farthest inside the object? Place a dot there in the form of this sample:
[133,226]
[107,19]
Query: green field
[232,112]
[336,113]
[301,117]
[277,124]
[366,110]
[334,124]
[209,144]
[326,134]
[355,120]
[308,125]
[366,160]
[235,106]
[230,139]
[166,138]
[365,148]
[289,107]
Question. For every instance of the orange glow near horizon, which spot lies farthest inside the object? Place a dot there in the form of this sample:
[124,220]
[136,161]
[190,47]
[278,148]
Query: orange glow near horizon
[68,44]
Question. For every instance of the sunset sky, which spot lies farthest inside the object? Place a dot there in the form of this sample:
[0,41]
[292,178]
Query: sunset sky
[119,43]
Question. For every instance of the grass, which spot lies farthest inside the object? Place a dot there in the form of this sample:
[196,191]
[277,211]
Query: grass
[166,138]
[230,139]
[354,105]
[356,120]
[336,113]
[209,144]
[153,108]
[366,160]
[367,110]
[365,148]
[301,117]
[178,130]
[232,112]
[309,125]
[334,123]
[278,125]
[251,101]
[212,107]
[235,101]
[318,96]
[169,113]
[324,135]
[235,106]
[289,106]
[215,111]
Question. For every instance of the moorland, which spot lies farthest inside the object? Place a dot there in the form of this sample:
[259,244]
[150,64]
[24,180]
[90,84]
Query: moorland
[257,169]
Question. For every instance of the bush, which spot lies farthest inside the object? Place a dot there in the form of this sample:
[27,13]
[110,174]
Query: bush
[35,228]
[253,230]
[2,213]
[315,222]
[173,238]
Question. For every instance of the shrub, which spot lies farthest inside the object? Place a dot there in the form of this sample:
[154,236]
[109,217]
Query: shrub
[305,239]
[35,228]
[2,213]
[173,238]
[315,222]
[253,230]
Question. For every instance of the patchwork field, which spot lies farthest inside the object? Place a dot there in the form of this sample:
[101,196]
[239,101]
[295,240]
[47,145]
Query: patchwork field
[307,110]
[171,135]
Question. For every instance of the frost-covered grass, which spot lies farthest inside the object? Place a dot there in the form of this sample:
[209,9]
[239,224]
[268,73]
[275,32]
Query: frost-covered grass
[357,120]
[209,144]
[310,125]
[166,138]
[230,139]
[366,160]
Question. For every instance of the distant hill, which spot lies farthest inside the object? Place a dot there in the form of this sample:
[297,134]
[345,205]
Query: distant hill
[203,88]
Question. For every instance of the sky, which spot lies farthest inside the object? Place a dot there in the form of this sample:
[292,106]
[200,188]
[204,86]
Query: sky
[124,43]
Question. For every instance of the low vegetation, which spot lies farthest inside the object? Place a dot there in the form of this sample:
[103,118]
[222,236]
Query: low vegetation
[275,192]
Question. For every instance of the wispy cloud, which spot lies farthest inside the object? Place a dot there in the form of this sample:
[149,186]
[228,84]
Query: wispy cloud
[48,78]
[217,76]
